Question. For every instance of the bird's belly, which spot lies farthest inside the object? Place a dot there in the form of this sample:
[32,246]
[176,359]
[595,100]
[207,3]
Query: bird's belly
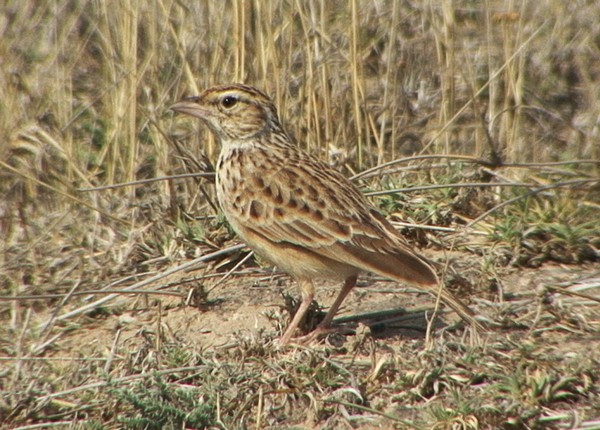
[297,261]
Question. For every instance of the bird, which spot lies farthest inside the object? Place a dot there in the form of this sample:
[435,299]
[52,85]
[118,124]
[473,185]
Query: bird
[298,212]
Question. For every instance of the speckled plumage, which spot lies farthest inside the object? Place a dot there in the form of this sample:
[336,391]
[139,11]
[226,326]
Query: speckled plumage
[296,211]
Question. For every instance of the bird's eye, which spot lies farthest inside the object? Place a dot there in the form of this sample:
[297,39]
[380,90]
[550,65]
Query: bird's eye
[229,101]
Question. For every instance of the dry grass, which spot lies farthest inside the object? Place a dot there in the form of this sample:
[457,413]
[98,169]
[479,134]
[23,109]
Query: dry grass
[500,99]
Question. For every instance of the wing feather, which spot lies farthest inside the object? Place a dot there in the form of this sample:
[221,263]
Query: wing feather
[334,220]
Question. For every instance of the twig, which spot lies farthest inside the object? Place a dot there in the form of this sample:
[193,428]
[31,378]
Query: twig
[46,425]
[373,411]
[120,381]
[368,173]
[89,292]
[567,292]
[233,269]
[148,181]
[438,186]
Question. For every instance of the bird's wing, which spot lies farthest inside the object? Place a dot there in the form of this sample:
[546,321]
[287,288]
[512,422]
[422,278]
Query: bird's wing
[328,215]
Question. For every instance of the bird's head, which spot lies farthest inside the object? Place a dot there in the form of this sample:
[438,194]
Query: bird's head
[232,112]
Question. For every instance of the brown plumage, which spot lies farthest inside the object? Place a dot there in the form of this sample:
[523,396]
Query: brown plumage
[296,211]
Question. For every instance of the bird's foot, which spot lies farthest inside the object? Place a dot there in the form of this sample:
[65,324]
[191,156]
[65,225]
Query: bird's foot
[314,335]
[318,334]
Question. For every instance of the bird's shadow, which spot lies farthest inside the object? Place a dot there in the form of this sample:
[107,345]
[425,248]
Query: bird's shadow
[383,324]
[391,323]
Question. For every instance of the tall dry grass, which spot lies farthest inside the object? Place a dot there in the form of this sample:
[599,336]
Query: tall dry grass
[95,78]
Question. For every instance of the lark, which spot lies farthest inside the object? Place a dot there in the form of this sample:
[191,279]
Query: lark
[298,212]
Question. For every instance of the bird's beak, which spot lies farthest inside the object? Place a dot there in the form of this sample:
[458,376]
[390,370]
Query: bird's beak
[190,106]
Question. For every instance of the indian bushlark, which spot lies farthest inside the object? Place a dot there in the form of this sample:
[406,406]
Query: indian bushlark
[296,211]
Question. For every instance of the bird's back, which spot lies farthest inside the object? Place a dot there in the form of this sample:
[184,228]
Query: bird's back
[285,195]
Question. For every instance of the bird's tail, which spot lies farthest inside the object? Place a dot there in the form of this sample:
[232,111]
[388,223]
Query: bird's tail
[466,314]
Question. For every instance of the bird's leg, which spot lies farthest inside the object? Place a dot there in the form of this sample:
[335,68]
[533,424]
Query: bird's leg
[349,283]
[323,326]
[308,293]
